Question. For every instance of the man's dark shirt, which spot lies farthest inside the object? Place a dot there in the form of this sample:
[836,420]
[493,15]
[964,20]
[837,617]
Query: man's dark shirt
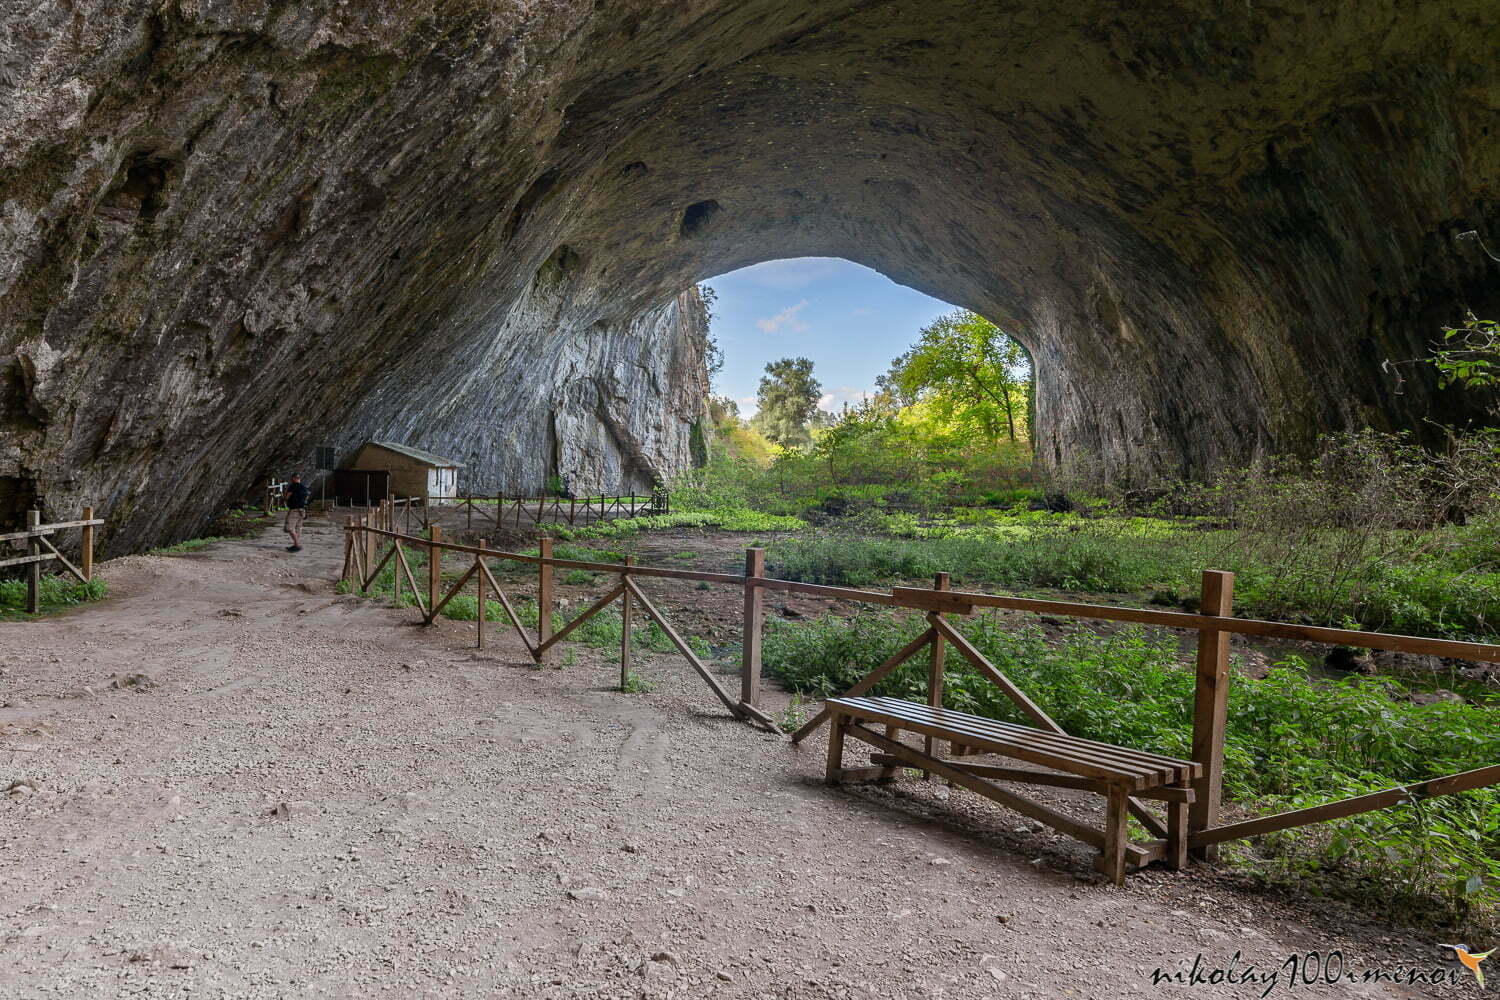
[296,496]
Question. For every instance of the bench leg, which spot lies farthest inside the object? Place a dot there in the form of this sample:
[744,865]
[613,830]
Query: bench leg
[836,726]
[1177,835]
[888,774]
[1116,832]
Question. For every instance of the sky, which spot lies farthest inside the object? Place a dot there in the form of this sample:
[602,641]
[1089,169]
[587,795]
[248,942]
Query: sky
[849,320]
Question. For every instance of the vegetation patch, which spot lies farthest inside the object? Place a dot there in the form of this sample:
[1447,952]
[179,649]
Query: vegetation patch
[57,593]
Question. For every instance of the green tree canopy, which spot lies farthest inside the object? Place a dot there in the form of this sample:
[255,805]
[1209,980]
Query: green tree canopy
[787,398]
[968,371]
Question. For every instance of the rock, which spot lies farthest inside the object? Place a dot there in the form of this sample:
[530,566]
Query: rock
[665,956]
[1388,662]
[1438,696]
[289,810]
[657,970]
[132,682]
[630,848]
[522,255]
[588,893]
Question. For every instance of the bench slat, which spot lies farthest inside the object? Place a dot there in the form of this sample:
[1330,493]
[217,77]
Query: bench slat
[1150,761]
[1020,749]
[1086,757]
[1011,734]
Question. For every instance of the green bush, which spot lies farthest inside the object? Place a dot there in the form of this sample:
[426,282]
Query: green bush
[54,594]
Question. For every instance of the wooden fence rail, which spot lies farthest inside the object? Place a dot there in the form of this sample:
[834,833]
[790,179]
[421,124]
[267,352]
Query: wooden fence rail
[363,563]
[39,549]
[500,510]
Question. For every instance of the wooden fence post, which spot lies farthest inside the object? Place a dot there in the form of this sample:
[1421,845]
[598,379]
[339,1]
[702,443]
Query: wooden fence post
[86,555]
[371,540]
[935,664]
[754,624]
[434,573]
[544,597]
[479,583]
[34,570]
[348,548]
[1210,700]
[626,613]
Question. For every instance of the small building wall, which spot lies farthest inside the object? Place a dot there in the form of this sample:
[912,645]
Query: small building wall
[410,477]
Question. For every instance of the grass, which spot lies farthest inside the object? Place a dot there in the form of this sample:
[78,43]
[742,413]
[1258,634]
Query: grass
[56,594]
[726,519]
[1291,741]
[1444,583]
[189,545]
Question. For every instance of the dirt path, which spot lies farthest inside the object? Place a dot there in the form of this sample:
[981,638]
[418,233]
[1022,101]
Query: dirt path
[312,797]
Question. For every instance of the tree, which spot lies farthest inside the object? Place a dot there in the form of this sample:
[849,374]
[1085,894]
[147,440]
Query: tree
[968,370]
[713,354]
[1470,354]
[787,398]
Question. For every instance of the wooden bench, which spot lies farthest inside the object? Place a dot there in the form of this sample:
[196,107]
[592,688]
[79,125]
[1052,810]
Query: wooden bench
[1117,773]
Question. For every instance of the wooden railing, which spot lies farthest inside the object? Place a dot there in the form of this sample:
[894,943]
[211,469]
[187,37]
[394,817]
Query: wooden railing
[39,549]
[363,562]
[500,510]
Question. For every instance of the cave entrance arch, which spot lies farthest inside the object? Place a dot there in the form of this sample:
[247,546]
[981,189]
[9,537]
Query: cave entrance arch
[857,327]
[241,235]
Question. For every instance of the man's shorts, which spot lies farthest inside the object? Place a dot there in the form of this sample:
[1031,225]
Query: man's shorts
[294,518]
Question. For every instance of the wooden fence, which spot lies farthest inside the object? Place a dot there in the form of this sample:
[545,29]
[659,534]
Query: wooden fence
[363,561]
[39,549]
[500,510]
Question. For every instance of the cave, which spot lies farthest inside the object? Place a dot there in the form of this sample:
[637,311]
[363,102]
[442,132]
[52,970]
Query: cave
[232,232]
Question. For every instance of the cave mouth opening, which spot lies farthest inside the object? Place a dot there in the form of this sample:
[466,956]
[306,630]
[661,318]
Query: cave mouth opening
[872,345]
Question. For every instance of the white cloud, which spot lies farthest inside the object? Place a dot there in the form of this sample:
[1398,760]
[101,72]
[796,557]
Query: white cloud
[786,318]
[834,400]
[795,272]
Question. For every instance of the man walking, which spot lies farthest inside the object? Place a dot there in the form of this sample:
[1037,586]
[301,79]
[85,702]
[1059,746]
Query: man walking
[296,511]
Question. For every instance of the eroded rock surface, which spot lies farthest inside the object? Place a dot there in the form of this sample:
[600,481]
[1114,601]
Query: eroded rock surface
[233,229]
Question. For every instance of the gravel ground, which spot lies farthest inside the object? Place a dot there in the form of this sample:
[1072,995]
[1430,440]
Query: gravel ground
[236,783]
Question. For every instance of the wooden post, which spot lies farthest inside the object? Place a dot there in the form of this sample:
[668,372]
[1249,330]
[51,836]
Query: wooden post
[469,515]
[754,623]
[348,547]
[396,572]
[479,584]
[935,660]
[434,573]
[544,596]
[371,540]
[1210,698]
[33,570]
[625,616]
[86,555]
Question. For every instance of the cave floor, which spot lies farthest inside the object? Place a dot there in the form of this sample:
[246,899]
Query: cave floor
[310,795]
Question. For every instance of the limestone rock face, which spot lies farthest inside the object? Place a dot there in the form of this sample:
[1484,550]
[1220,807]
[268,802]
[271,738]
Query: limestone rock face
[231,230]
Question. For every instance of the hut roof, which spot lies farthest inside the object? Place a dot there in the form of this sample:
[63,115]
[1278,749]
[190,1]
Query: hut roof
[425,457]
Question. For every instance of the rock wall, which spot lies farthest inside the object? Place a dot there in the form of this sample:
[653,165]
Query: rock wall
[603,407]
[231,230]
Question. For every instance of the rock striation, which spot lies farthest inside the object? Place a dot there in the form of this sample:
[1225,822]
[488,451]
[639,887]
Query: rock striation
[231,230]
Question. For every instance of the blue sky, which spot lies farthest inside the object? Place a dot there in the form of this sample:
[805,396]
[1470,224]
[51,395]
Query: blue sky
[851,321]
